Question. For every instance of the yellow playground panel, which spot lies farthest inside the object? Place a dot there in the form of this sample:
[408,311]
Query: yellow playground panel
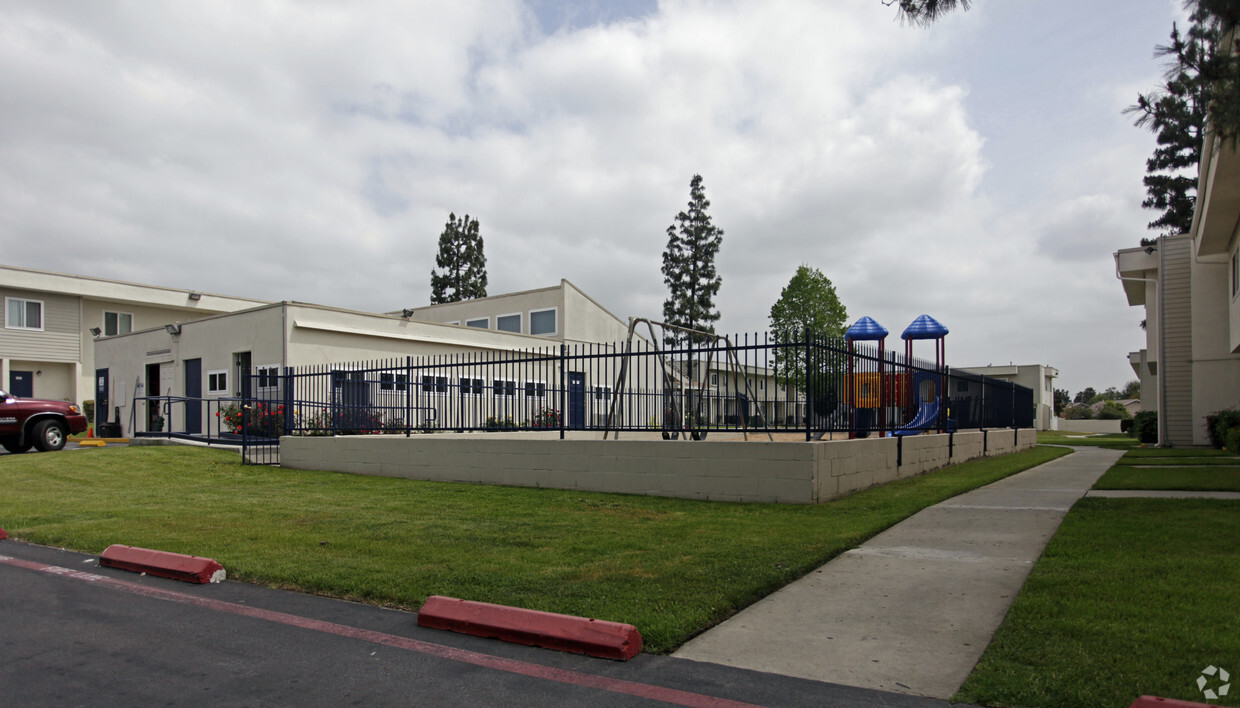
[865,389]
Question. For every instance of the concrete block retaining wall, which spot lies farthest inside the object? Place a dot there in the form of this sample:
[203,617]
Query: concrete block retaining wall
[753,471]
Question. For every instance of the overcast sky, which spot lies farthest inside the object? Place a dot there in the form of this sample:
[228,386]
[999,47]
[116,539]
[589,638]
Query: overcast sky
[979,171]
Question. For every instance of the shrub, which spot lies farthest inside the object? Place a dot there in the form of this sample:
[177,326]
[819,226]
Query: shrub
[1145,426]
[1078,412]
[259,420]
[1220,423]
[1113,411]
[497,423]
[1233,439]
[1125,426]
[545,418]
[88,410]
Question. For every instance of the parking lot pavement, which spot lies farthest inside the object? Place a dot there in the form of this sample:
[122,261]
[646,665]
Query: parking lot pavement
[74,633]
[69,445]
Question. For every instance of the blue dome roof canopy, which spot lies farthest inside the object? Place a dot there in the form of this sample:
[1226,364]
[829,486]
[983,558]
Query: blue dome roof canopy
[866,329]
[925,327]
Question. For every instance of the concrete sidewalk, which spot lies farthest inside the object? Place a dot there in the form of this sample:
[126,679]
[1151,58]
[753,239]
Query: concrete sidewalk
[912,609]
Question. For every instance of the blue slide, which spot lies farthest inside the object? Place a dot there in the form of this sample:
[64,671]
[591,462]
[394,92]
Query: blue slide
[927,417]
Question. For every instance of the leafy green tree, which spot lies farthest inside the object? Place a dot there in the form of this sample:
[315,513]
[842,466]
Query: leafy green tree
[1132,389]
[1085,396]
[1112,410]
[461,265]
[689,268]
[1062,400]
[1078,411]
[808,305]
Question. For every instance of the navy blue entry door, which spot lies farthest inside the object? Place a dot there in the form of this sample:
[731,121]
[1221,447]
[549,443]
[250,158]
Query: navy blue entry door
[576,400]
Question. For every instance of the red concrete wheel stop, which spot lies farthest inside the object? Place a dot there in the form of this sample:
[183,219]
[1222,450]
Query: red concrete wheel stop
[3,534]
[176,566]
[1156,702]
[580,635]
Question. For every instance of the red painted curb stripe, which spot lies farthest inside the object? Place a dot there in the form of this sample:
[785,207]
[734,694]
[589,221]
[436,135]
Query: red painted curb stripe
[608,640]
[165,564]
[576,678]
[1156,702]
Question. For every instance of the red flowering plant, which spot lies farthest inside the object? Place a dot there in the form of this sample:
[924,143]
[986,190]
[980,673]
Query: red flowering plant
[260,419]
[546,418]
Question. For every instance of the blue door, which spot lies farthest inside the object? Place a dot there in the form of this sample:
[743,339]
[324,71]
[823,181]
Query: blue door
[21,384]
[193,391]
[576,400]
[102,402]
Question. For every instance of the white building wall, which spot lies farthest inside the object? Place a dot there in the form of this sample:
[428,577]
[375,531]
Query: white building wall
[1215,369]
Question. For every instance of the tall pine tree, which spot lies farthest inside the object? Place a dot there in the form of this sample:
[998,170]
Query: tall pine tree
[1176,112]
[463,274]
[689,268]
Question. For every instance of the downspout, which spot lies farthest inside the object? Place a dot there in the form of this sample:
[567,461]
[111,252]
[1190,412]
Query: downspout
[1162,336]
[1162,344]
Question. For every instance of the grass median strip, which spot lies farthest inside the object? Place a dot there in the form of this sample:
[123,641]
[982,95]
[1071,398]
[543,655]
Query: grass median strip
[671,567]
[1115,441]
[1131,597]
[1216,478]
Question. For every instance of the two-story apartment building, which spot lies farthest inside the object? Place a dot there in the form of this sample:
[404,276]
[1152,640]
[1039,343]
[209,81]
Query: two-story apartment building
[1189,286]
[52,320]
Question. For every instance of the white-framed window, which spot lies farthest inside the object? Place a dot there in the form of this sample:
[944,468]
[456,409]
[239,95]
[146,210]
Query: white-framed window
[20,313]
[535,389]
[434,384]
[544,321]
[217,381]
[602,394]
[115,323]
[471,386]
[714,379]
[509,323]
[480,323]
[267,376]
[504,387]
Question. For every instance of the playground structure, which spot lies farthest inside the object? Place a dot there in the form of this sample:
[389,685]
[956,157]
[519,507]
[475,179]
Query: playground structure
[684,387]
[897,391]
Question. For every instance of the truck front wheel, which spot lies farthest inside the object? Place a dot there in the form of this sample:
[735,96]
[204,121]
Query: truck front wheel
[49,436]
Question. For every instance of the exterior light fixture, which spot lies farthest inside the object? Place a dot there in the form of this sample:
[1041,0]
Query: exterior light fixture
[195,296]
[172,329]
[406,313]
[95,331]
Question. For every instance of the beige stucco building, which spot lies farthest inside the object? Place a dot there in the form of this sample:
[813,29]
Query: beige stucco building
[1037,377]
[562,312]
[1189,286]
[52,320]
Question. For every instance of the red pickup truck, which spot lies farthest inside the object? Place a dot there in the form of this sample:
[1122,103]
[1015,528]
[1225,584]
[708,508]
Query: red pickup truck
[45,425]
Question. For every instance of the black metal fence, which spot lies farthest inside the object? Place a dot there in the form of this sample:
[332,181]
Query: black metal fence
[754,384]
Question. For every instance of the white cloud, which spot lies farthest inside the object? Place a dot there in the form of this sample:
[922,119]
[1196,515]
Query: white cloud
[313,151]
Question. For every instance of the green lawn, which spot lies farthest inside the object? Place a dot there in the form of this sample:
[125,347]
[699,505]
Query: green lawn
[1131,597]
[1211,478]
[1197,454]
[671,567]
[1067,437]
